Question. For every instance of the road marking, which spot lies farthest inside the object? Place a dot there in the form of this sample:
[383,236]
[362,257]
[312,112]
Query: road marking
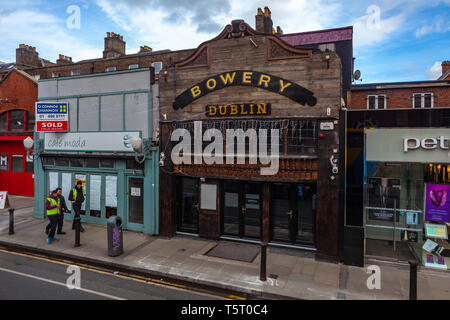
[61,284]
[127,276]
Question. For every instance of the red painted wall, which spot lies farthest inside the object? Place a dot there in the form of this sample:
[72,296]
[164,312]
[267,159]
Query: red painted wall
[17,92]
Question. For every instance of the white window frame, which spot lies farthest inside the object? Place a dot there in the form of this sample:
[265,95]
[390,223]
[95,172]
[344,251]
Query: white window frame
[376,101]
[56,74]
[133,66]
[331,46]
[37,77]
[75,73]
[422,100]
[154,63]
[108,69]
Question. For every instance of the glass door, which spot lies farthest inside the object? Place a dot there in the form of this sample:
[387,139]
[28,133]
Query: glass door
[96,212]
[283,214]
[252,210]
[232,213]
[187,220]
[293,213]
[135,194]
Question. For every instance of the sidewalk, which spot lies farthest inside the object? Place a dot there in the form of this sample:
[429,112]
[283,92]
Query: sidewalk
[182,258]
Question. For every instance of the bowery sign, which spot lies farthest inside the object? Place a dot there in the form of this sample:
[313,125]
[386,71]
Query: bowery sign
[249,78]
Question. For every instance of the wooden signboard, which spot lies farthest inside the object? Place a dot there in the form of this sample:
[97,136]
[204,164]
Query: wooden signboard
[238,109]
[4,201]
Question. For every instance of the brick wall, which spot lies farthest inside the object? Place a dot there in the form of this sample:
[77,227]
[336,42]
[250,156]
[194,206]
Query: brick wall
[100,65]
[19,91]
[400,98]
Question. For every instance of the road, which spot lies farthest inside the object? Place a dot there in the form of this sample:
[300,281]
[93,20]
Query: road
[30,277]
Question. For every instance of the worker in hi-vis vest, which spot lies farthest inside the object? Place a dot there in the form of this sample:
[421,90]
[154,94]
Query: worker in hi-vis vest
[76,196]
[52,207]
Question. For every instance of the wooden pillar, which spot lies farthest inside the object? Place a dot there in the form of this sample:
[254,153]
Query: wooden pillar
[327,214]
[167,192]
[265,213]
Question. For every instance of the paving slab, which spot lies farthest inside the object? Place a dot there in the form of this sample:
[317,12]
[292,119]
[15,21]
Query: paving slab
[183,258]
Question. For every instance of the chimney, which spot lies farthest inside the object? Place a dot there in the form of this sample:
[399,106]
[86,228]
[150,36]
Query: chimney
[63,60]
[445,66]
[279,31]
[26,56]
[145,49]
[114,45]
[263,21]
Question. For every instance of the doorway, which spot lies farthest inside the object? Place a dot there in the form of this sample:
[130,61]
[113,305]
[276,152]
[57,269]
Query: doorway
[188,205]
[135,203]
[241,215]
[293,213]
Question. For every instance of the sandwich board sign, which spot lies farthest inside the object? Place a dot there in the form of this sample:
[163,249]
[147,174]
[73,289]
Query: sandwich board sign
[52,116]
[4,201]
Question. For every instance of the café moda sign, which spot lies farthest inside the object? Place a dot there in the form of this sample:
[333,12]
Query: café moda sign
[249,78]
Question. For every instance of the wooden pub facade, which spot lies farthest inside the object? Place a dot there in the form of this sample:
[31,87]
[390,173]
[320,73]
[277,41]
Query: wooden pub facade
[244,79]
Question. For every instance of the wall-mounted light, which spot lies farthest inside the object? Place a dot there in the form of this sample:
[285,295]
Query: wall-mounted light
[28,144]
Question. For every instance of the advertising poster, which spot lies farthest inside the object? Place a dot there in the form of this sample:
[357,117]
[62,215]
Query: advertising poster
[383,194]
[437,206]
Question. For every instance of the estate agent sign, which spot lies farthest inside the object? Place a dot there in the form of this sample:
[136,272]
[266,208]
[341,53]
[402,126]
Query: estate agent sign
[52,116]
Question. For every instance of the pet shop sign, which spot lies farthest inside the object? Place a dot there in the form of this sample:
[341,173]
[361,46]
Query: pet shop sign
[437,203]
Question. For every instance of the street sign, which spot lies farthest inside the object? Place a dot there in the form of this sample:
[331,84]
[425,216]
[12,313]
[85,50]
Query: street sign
[52,116]
[4,201]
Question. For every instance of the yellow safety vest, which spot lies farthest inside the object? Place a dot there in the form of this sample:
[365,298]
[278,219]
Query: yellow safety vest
[51,212]
[74,194]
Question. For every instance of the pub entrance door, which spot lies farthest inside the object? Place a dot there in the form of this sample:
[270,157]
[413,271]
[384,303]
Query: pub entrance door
[293,213]
[241,216]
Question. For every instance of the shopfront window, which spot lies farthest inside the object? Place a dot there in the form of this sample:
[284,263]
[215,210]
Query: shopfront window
[62,162]
[77,163]
[394,209]
[17,119]
[17,163]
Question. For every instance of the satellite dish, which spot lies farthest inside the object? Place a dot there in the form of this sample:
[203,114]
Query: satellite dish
[357,75]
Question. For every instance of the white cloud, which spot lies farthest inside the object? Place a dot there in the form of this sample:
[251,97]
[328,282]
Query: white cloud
[376,26]
[44,31]
[434,71]
[150,26]
[436,26]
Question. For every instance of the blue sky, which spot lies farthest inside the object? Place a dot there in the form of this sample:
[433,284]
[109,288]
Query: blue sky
[396,40]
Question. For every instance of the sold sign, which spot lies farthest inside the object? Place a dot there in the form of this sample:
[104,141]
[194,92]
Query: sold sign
[52,116]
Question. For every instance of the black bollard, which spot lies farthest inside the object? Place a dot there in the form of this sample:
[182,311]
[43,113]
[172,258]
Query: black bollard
[413,279]
[262,274]
[77,231]
[11,221]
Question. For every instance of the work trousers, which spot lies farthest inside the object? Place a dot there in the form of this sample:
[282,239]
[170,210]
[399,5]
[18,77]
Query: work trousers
[53,223]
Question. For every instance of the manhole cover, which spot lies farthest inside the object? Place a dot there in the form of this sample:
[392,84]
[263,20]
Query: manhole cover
[234,251]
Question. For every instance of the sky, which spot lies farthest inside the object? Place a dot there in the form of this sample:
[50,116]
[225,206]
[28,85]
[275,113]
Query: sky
[393,40]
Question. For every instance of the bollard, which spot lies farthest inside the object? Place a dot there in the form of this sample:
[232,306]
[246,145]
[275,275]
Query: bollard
[262,274]
[11,221]
[413,279]
[77,231]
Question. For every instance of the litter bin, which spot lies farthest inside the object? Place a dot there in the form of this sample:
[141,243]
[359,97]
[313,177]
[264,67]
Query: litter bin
[115,236]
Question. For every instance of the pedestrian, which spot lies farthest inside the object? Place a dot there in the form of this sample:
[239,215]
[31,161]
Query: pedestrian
[52,207]
[61,201]
[76,196]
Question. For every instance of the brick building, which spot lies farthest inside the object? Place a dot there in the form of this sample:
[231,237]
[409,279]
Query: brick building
[403,95]
[18,94]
